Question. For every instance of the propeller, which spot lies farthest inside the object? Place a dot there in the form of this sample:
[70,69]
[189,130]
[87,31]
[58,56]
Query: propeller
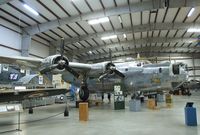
[110,68]
[61,63]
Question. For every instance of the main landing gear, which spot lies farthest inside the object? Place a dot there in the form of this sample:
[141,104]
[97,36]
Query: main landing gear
[84,92]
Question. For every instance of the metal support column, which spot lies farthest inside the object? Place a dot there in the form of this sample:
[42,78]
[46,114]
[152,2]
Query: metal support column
[26,43]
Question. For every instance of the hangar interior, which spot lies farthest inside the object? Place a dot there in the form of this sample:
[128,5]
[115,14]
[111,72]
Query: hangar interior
[95,31]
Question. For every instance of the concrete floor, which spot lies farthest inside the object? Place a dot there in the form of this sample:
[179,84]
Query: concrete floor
[103,120]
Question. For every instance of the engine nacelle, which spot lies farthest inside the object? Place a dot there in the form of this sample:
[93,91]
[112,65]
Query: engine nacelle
[52,60]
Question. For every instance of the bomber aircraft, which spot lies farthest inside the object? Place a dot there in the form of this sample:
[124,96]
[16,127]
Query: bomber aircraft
[133,75]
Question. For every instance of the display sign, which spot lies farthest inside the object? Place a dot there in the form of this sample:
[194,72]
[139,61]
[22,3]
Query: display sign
[40,78]
[117,90]
[22,71]
[5,67]
[10,108]
[119,98]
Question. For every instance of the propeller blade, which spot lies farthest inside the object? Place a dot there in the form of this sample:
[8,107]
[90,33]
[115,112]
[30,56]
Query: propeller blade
[110,55]
[72,71]
[102,76]
[48,69]
[62,48]
[119,73]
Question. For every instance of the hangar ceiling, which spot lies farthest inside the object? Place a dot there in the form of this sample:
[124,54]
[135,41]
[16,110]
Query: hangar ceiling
[147,27]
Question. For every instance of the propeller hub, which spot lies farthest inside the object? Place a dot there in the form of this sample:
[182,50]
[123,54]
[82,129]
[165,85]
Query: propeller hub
[62,62]
[112,68]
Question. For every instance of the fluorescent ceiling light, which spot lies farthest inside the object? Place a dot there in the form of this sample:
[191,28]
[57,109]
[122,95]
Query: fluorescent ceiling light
[124,35]
[90,52]
[31,9]
[97,21]
[191,11]
[190,41]
[193,30]
[78,43]
[109,37]
[120,19]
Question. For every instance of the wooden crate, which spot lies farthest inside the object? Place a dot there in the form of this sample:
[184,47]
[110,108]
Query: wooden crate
[151,104]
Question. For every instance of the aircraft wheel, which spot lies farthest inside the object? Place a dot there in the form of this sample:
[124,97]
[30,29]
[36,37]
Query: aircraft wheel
[84,93]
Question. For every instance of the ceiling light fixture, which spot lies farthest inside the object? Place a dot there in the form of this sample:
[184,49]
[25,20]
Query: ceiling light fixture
[31,9]
[97,21]
[120,19]
[191,11]
[109,37]
[124,35]
[90,52]
[78,43]
[193,30]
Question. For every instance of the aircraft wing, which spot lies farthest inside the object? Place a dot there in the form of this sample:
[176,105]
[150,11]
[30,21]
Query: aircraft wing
[80,66]
[21,61]
[13,95]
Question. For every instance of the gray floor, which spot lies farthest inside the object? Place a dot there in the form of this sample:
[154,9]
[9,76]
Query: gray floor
[103,120]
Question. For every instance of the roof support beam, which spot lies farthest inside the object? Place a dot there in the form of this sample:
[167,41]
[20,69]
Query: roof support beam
[136,43]
[4,1]
[137,28]
[136,7]
[147,50]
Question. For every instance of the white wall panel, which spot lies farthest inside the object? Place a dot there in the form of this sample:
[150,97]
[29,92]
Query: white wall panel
[10,38]
[39,49]
[197,62]
[9,52]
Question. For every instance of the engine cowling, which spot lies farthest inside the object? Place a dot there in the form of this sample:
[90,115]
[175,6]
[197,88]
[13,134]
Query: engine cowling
[58,60]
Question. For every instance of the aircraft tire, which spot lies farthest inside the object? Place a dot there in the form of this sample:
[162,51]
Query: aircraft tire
[84,93]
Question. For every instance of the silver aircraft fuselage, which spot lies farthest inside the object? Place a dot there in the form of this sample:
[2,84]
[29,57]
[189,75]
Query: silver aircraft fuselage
[138,76]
